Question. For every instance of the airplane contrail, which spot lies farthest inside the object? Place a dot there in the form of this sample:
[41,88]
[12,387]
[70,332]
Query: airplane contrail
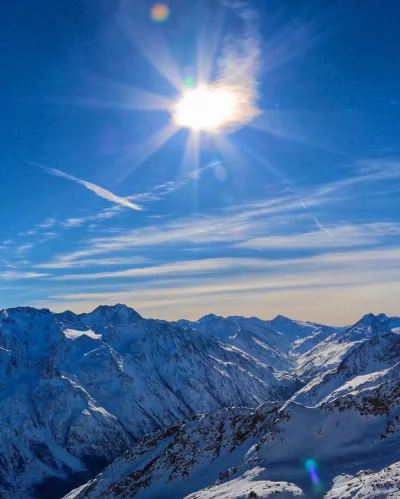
[99,191]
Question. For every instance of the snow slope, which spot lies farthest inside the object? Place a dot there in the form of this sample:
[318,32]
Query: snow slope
[78,391]
[330,352]
[222,453]
[248,485]
[284,334]
[83,388]
[384,484]
[366,364]
[252,336]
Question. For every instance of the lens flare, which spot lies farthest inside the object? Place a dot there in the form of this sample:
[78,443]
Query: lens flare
[205,108]
[160,12]
[311,466]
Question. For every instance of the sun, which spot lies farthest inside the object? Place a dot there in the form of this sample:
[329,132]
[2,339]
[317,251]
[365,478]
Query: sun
[205,108]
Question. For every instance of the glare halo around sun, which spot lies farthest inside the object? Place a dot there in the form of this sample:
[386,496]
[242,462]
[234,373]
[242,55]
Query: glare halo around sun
[205,108]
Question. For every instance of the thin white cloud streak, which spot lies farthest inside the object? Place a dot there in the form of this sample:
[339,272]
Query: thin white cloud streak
[188,267]
[14,275]
[344,278]
[48,223]
[299,303]
[243,229]
[339,237]
[156,194]
[23,248]
[17,264]
[99,191]
[222,228]
[339,265]
[283,269]
[246,224]
[243,284]
[322,227]
[103,215]
[96,262]
[368,171]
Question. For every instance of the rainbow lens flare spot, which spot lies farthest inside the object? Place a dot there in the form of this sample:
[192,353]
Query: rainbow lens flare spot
[160,12]
[189,82]
[311,467]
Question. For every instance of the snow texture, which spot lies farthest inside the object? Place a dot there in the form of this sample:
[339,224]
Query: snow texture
[220,407]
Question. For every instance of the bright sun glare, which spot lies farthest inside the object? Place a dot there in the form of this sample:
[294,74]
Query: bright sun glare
[205,108]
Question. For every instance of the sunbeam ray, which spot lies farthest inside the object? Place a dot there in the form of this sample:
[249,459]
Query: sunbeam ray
[270,122]
[265,164]
[146,150]
[108,94]
[231,156]
[153,46]
[191,161]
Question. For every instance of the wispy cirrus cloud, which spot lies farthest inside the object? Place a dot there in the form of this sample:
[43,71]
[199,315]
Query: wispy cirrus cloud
[156,194]
[23,248]
[99,191]
[255,226]
[339,236]
[312,266]
[93,262]
[9,275]
[238,228]
[227,227]
[373,170]
[189,267]
[369,278]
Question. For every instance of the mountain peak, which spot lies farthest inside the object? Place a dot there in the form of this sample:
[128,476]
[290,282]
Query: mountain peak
[280,319]
[116,307]
[210,317]
[382,316]
[367,319]
[26,311]
[118,313]
[368,325]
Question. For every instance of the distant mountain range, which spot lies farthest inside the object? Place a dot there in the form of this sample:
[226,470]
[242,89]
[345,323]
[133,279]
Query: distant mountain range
[221,407]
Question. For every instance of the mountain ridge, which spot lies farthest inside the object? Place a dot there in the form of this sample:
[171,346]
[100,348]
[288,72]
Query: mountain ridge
[90,386]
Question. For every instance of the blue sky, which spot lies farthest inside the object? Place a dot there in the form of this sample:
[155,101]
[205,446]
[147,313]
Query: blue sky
[295,213]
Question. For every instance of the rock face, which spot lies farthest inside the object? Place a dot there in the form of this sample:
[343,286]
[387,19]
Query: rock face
[241,449]
[221,407]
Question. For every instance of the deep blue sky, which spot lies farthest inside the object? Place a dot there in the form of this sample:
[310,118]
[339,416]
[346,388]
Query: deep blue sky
[299,217]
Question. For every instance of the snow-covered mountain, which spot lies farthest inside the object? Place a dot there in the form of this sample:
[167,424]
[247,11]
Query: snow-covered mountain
[256,451]
[283,334]
[330,352]
[372,361]
[368,485]
[392,322]
[83,388]
[292,329]
[257,398]
[252,336]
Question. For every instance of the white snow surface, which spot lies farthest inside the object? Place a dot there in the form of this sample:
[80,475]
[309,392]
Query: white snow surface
[73,334]
[226,448]
[331,351]
[366,365]
[176,402]
[74,387]
[247,484]
[384,484]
